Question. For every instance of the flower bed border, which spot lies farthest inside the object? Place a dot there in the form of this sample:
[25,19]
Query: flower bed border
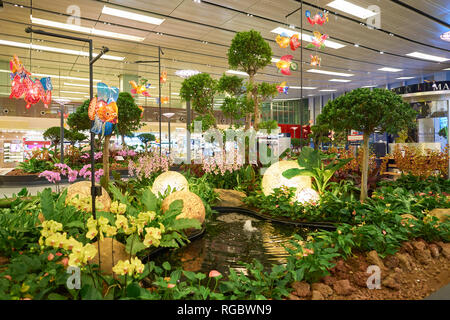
[317,225]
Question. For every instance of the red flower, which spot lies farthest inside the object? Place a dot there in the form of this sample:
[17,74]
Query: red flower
[59,254]
[50,257]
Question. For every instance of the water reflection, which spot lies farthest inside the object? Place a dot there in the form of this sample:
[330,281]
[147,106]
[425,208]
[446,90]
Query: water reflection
[231,238]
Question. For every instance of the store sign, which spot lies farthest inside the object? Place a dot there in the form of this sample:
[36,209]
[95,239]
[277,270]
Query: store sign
[355,136]
[424,87]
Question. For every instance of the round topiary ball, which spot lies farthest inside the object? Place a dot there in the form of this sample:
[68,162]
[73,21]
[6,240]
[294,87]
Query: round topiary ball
[82,189]
[170,178]
[193,207]
[273,177]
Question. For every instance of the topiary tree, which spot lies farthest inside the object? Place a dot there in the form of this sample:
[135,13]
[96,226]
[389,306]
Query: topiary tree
[129,115]
[249,52]
[146,138]
[366,110]
[200,89]
[79,120]
[74,136]
[53,134]
[236,105]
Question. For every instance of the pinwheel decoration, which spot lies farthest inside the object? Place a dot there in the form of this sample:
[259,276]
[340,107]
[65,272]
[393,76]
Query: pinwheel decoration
[319,18]
[284,41]
[163,77]
[283,88]
[318,41]
[141,88]
[285,65]
[103,110]
[22,85]
[315,60]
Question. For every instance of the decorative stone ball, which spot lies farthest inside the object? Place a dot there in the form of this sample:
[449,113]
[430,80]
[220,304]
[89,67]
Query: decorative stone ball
[111,251]
[307,195]
[82,189]
[193,207]
[170,178]
[273,177]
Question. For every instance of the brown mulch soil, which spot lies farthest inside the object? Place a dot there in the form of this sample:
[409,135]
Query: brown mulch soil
[422,269]
[20,172]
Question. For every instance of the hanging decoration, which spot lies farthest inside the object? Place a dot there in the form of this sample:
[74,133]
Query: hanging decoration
[285,65]
[318,41]
[142,111]
[319,18]
[103,110]
[22,85]
[283,88]
[315,60]
[284,41]
[164,100]
[163,77]
[140,88]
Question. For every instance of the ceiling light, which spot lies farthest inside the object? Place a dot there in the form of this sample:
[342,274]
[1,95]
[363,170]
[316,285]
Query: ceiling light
[356,45]
[307,37]
[446,36]
[381,52]
[328,90]
[447,69]
[131,15]
[237,72]
[275,60]
[330,73]
[57,50]
[390,69]
[425,56]
[186,73]
[92,31]
[352,9]
[405,78]
[369,86]
[304,88]
[339,80]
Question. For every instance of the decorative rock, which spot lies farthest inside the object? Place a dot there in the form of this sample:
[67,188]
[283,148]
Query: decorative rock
[273,177]
[316,295]
[419,245]
[343,287]
[303,289]
[82,189]
[293,297]
[391,282]
[373,258]
[230,198]
[170,178]
[405,261]
[391,261]
[408,247]
[193,207]
[441,214]
[325,290]
[360,278]
[111,251]
[434,249]
[423,256]
[445,249]
[329,280]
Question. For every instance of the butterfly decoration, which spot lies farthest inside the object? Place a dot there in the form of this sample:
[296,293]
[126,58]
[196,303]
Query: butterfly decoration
[22,85]
[283,88]
[103,110]
[164,100]
[285,65]
[140,88]
[318,40]
[142,111]
[315,60]
[319,18]
[284,41]
[66,115]
[163,77]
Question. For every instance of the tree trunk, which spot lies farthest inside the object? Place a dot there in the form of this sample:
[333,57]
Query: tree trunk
[106,162]
[365,167]
[123,141]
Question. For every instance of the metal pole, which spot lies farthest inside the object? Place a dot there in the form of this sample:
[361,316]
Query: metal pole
[188,131]
[169,136]
[448,137]
[92,151]
[301,75]
[61,108]
[159,102]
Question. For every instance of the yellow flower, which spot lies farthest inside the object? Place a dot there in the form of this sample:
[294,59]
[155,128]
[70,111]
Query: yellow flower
[114,207]
[122,268]
[122,208]
[121,222]
[110,231]
[137,265]
[91,233]
[152,237]
[24,288]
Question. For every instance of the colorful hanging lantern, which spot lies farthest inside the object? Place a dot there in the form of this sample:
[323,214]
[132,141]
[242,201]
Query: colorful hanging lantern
[284,41]
[103,110]
[318,40]
[23,85]
[283,88]
[315,60]
[319,18]
[163,77]
[285,65]
[142,111]
[141,88]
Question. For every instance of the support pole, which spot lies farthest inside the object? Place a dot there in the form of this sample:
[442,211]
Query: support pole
[448,137]
[160,109]
[301,75]
[61,108]
[188,131]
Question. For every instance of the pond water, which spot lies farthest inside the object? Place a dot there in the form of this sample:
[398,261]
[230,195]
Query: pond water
[230,238]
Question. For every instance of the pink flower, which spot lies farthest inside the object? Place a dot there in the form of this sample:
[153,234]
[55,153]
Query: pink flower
[214,273]
[59,254]
[384,232]
[50,257]
[170,285]
[65,262]
[421,194]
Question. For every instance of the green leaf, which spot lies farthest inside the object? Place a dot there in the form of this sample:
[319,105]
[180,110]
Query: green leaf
[55,296]
[166,265]
[182,224]
[134,245]
[290,173]
[149,200]
[134,290]
[88,292]
[47,204]
[75,224]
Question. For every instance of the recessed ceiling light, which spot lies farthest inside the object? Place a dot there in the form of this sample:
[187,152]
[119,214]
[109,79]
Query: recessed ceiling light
[237,72]
[304,88]
[186,73]
[57,50]
[390,69]
[131,15]
[405,78]
[330,73]
[356,45]
[339,80]
[352,9]
[306,37]
[446,36]
[369,86]
[92,31]
[328,90]
[447,69]
[381,52]
[425,56]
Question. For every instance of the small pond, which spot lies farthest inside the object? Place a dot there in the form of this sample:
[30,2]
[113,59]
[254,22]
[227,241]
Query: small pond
[230,238]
